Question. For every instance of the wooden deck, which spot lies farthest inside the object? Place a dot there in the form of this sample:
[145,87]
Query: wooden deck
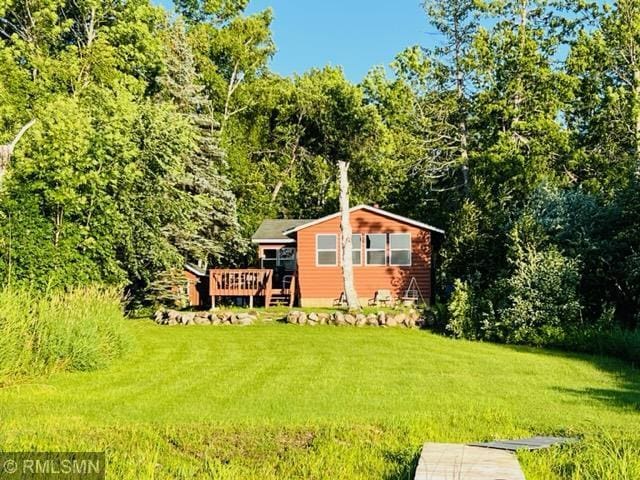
[249,282]
[453,461]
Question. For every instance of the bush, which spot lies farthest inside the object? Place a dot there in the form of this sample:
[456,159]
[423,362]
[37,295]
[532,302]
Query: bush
[462,314]
[543,300]
[78,330]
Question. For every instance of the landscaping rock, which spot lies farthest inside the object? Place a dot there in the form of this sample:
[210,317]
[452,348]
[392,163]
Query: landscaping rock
[244,319]
[213,318]
[324,318]
[350,319]
[312,319]
[202,320]
[338,319]
[372,319]
[160,316]
[302,318]
[188,318]
[292,316]
[361,320]
[400,319]
[391,321]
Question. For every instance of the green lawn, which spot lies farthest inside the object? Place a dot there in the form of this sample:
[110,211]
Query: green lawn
[284,401]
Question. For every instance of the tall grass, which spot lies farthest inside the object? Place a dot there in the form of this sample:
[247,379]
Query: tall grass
[77,330]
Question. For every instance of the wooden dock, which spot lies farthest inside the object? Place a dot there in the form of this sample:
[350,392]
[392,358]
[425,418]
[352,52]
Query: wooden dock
[454,461]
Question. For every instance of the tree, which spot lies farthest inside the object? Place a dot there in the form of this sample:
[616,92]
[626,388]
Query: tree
[212,217]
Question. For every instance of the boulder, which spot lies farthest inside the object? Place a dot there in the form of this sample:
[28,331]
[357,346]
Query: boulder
[361,320]
[292,316]
[188,318]
[172,321]
[312,319]
[372,319]
[159,316]
[244,320]
[401,319]
[391,321]
[350,319]
[338,318]
[302,318]
[324,318]
[202,320]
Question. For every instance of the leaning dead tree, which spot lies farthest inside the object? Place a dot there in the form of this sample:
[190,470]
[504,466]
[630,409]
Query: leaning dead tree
[6,151]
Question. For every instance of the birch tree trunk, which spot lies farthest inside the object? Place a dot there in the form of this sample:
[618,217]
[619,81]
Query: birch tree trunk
[6,151]
[351,296]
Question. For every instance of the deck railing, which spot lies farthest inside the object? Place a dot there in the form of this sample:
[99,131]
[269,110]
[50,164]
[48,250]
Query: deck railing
[240,282]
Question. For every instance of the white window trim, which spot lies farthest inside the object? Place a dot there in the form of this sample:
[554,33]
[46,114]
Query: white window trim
[400,250]
[367,250]
[353,249]
[337,249]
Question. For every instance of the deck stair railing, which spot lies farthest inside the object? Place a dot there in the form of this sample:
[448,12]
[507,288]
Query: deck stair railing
[247,282]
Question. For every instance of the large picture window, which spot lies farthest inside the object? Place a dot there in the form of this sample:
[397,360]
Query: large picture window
[356,249]
[326,249]
[376,249]
[400,249]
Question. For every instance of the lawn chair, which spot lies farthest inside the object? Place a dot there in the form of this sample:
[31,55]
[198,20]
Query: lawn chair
[340,301]
[382,297]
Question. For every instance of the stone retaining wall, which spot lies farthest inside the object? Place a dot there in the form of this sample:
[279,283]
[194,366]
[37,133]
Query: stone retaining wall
[408,319]
[173,317]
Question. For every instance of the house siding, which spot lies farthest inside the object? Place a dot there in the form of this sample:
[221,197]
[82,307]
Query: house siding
[192,288]
[321,285]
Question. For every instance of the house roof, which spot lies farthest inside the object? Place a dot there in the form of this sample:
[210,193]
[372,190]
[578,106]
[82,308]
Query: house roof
[272,230]
[195,270]
[368,208]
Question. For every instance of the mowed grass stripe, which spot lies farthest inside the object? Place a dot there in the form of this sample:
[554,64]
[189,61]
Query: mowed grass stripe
[284,401]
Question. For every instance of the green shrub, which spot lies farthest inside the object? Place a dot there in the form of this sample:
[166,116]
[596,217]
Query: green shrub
[78,330]
[543,298]
[462,314]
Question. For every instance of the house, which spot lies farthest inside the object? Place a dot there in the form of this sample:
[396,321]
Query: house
[299,260]
[197,285]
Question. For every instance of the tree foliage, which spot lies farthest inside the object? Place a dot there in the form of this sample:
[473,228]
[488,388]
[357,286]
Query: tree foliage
[162,139]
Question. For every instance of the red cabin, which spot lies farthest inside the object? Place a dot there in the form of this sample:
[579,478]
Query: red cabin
[299,261]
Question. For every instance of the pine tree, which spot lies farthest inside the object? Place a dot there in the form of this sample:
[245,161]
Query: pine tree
[213,218]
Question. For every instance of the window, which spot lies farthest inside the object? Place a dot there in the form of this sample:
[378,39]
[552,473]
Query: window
[269,258]
[400,249]
[327,249]
[287,258]
[284,257]
[356,249]
[376,249]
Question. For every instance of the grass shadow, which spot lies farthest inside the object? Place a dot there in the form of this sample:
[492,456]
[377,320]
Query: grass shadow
[626,396]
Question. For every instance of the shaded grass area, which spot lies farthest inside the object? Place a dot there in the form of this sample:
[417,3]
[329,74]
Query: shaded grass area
[283,401]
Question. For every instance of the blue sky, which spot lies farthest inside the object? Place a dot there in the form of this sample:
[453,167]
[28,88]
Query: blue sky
[353,34]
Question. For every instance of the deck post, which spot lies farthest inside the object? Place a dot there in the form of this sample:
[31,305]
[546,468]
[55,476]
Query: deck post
[250,301]
[213,301]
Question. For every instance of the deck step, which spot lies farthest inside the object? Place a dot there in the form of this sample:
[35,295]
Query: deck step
[279,300]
